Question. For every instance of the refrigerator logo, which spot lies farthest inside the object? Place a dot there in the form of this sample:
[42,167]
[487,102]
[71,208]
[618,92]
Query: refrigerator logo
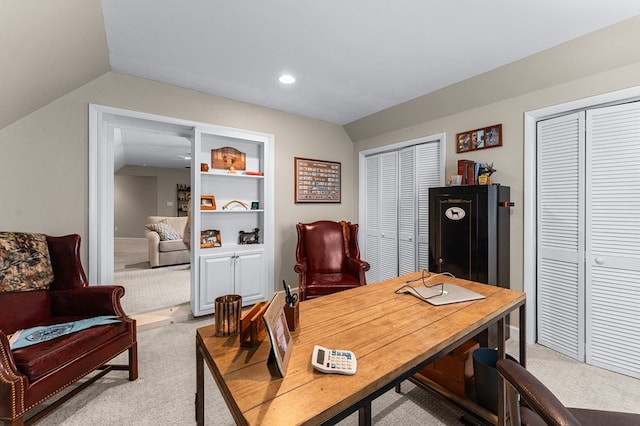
[455,213]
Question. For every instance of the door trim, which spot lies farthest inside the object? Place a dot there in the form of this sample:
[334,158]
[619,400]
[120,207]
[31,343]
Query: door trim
[101,177]
[529,194]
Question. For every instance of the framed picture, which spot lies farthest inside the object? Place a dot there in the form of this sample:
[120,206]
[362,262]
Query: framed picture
[255,205]
[317,181]
[278,330]
[487,137]
[210,238]
[252,237]
[207,202]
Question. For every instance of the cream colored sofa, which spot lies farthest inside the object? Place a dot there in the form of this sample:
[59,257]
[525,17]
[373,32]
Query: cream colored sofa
[165,252]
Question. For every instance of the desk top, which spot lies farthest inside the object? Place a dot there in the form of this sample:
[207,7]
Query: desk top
[390,334]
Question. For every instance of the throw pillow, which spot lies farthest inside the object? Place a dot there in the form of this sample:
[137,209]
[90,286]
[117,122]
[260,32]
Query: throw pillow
[25,264]
[164,229]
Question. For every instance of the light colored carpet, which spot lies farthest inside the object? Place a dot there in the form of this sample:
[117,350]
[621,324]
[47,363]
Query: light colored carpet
[164,392]
[148,290]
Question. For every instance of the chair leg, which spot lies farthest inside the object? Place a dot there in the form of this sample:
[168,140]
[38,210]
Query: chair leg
[133,362]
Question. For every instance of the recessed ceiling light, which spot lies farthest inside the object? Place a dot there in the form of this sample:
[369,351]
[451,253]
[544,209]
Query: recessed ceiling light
[287,79]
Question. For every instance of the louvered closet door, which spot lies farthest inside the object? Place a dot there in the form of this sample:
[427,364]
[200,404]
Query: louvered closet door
[427,176]
[371,252]
[406,211]
[613,238]
[560,273]
[381,249]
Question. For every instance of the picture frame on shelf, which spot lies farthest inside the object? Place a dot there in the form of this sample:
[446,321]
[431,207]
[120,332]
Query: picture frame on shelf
[252,237]
[210,238]
[255,205]
[486,137]
[207,202]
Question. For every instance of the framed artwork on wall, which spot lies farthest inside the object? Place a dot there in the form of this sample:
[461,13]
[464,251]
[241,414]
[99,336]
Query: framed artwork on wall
[487,137]
[317,181]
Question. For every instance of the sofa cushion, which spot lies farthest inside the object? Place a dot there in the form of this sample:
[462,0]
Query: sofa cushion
[37,360]
[164,230]
[173,245]
[24,262]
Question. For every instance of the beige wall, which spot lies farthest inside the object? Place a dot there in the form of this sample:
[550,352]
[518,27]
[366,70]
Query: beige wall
[509,159]
[134,199]
[44,161]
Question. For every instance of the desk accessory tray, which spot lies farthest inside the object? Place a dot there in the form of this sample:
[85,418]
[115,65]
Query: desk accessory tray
[252,328]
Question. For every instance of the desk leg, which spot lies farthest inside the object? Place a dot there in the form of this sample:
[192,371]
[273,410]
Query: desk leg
[502,409]
[364,414]
[199,387]
[523,336]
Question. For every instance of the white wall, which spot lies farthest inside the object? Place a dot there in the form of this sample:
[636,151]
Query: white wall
[44,157]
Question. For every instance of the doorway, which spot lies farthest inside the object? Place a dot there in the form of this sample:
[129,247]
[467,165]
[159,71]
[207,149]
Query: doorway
[160,143]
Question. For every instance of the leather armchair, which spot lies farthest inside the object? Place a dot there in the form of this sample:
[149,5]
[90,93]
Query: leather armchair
[541,407]
[32,374]
[328,258]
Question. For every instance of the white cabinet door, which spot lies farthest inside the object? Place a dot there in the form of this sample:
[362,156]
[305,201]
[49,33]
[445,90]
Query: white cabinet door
[216,279]
[249,276]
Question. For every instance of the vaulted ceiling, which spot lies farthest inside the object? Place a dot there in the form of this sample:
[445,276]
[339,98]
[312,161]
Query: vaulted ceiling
[351,58]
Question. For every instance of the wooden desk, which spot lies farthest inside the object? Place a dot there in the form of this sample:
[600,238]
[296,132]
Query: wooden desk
[392,335]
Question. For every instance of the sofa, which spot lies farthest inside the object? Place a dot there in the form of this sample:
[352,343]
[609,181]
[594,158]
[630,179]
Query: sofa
[164,240]
[43,284]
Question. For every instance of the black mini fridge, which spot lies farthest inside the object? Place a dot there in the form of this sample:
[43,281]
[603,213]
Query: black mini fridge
[469,234]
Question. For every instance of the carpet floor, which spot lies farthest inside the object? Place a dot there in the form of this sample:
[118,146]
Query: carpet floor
[164,391]
[151,289]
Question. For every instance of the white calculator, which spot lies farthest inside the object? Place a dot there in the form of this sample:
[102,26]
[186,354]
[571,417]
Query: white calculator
[333,360]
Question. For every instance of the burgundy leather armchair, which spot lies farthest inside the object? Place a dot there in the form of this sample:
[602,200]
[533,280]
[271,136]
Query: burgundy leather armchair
[541,407]
[328,258]
[32,374]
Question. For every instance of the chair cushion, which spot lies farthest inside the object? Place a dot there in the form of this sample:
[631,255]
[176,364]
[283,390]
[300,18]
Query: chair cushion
[322,284]
[589,417]
[164,230]
[24,262]
[37,360]
[172,245]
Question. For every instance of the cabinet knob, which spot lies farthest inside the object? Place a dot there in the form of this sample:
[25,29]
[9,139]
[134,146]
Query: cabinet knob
[599,260]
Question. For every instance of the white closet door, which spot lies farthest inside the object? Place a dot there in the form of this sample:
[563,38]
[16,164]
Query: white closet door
[371,248]
[560,265]
[381,246]
[427,175]
[388,260]
[613,238]
[406,211]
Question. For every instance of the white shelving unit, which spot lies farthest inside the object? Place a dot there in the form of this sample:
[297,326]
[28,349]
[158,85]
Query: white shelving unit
[232,268]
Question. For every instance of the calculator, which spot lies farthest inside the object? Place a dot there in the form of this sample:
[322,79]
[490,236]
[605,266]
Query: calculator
[333,360]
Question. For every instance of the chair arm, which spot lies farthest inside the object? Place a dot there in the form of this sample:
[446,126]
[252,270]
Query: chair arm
[536,395]
[357,268]
[302,269]
[153,247]
[92,301]
[12,383]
